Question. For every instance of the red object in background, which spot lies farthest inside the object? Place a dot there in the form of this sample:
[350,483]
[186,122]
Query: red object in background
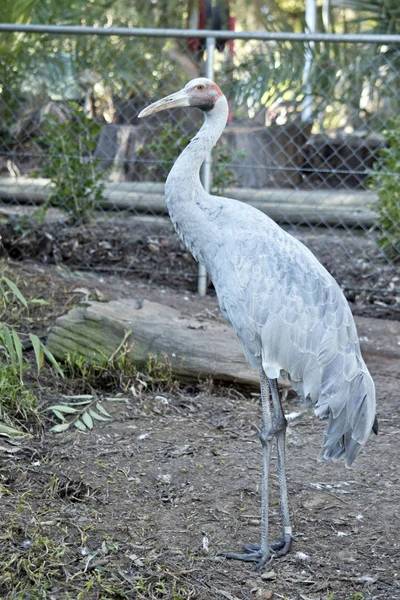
[209,14]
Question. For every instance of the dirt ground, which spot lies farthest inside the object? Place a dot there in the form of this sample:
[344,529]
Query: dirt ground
[146,248]
[141,506]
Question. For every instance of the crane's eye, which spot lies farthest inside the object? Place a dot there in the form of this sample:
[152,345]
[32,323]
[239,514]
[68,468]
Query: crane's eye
[200,88]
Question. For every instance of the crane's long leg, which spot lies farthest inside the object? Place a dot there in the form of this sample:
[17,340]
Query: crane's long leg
[260,554]
[270,429]
[283,546]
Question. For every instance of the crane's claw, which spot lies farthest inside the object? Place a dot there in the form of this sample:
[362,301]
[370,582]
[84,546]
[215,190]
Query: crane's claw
[252,554]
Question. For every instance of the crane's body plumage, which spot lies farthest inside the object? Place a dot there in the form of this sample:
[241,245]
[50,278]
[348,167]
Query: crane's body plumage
[288,312]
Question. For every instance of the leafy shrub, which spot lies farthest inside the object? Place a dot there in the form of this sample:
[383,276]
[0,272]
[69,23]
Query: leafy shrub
[386,182]
[161,153]
[70,164]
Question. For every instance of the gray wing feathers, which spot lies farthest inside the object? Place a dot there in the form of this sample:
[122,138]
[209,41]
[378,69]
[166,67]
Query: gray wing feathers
[291,316]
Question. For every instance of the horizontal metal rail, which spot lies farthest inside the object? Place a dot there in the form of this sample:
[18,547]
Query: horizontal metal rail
[360,38]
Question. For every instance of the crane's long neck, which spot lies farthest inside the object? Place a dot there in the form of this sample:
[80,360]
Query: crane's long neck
[189,206]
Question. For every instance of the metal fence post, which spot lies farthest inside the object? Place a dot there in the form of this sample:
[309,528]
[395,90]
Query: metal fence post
[311,25]
[206,174]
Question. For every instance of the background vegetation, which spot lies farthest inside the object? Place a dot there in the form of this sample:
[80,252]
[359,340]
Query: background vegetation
[354,88]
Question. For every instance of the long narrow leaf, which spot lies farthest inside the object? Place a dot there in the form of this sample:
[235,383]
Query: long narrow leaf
[79,425]
[9,431]
[9,345]
[83,403]
[18,350]
[39,301]
[87,419]
[69,410]
[80,397]
[60,427]
[101,409]
[38,350]
[58,414]
[53,361]
[94,415]
[15,290]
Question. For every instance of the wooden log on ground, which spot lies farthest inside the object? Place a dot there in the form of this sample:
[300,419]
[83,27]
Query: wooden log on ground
[283,205]
[195,349]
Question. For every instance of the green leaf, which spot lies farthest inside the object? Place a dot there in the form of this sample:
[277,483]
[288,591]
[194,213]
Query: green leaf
[9,431]
[101,409]
[38,350]
[96,416]
[60,427]
[87,419]
[39,301]
[58,414]
[15,291]
[52,360]
[83,403]
[63,408]
[79,425]
[80,397]
[18,350]
[9,345]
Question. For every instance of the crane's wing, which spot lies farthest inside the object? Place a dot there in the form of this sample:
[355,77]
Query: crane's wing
[290,315]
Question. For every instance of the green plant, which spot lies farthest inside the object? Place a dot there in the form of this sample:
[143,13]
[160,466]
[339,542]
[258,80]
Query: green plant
[17,401]
[120,371]
[385,181]
[77,186]
[223,173]
[164,149]
[82,414]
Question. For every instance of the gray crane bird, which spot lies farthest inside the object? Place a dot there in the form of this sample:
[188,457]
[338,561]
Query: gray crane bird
[288,312]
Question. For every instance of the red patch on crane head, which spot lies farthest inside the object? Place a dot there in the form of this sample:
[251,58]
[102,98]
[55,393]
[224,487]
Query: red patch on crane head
[218,91]
[203,93]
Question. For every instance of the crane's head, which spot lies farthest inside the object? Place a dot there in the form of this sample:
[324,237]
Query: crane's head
[200,93]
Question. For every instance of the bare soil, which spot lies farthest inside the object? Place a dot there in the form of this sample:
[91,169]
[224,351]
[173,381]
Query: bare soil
[141,506]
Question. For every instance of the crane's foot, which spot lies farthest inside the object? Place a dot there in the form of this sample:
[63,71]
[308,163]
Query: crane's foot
[279,548]
[283,546]
[252,554]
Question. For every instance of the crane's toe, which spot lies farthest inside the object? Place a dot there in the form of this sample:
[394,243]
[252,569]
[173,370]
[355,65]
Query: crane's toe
[283,546]
[252,554]
[279,548]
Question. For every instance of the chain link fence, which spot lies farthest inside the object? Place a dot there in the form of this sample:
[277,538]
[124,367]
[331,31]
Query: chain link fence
[82,178]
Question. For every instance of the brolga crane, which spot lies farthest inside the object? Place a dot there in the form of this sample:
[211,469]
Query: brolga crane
[288,312]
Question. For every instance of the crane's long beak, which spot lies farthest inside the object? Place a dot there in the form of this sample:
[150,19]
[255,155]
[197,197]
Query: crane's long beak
[175,100]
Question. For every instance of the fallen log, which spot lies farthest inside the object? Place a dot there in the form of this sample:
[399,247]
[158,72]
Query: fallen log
[326,207]
[195,349]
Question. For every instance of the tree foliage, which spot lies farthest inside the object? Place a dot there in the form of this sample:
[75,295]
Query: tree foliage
[35,66]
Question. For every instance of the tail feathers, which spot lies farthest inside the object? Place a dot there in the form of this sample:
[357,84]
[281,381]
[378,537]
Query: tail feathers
[347,433]
[346,448]
[351,415]
[375,426]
